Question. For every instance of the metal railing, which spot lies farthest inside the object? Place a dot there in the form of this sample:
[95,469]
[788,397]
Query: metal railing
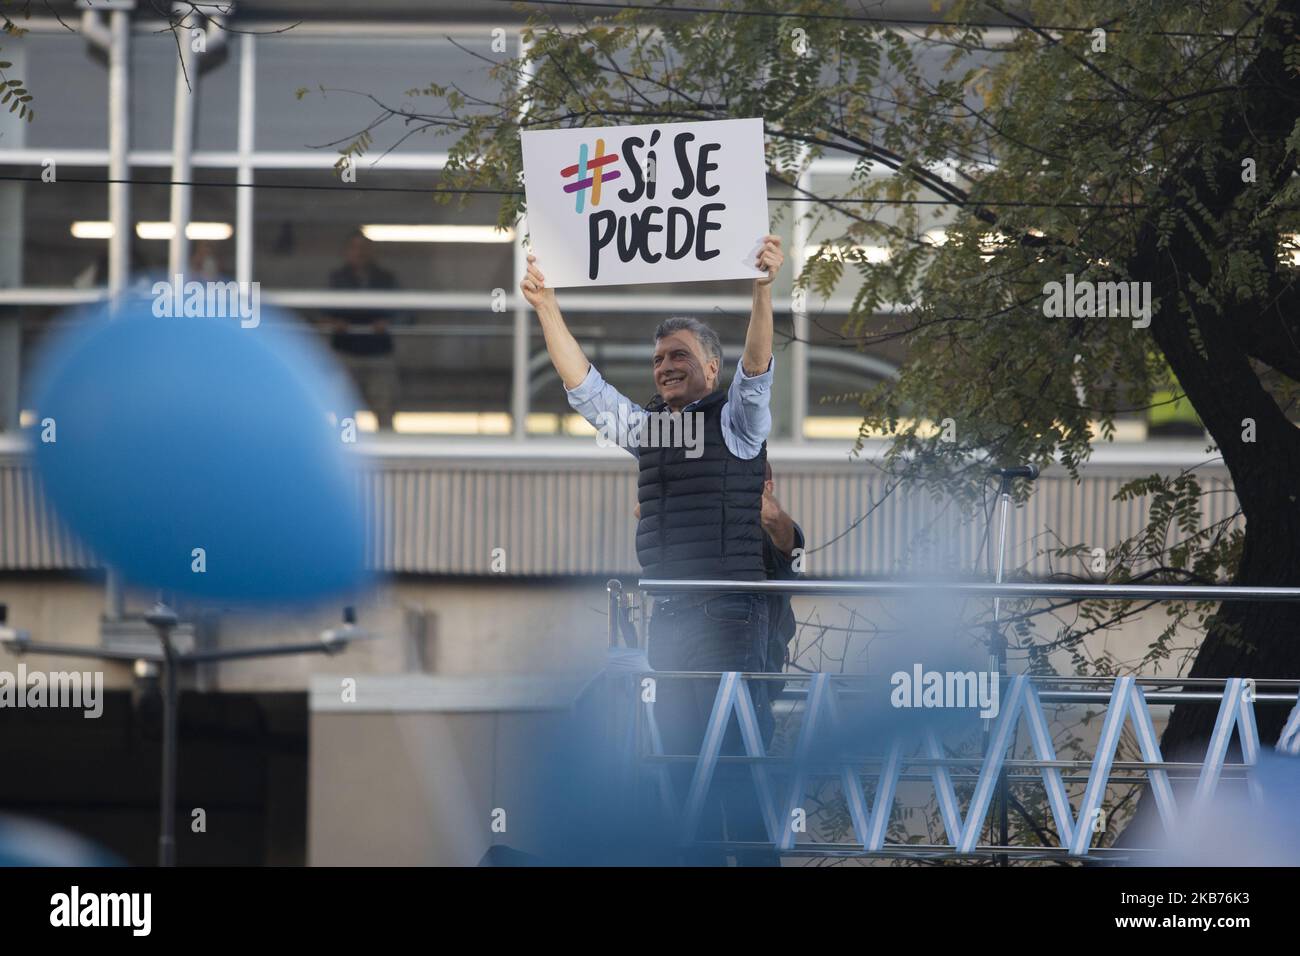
[1108,592]
[1126,699]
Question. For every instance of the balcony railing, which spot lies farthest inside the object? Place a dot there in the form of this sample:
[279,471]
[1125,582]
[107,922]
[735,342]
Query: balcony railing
[781,782]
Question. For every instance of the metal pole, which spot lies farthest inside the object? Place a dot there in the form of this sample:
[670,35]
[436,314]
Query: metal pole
[614,591]
[244,197]
[521,324]
[119,142]
[1004,505]
[115,41]
[163,619]
[115,594]
[178,251]
[998,658]
[1014,589]
[643,622]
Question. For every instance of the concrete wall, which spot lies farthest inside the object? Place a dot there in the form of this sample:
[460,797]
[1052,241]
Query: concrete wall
[473,627]
[418,771]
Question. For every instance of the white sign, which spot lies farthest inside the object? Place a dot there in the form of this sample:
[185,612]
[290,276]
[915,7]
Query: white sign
[667,202]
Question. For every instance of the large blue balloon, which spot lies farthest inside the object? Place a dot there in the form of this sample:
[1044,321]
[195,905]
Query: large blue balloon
[198,456]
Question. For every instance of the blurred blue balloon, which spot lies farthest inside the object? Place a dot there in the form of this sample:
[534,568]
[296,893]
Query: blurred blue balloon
[198,455]
[28,842]
[1231,829]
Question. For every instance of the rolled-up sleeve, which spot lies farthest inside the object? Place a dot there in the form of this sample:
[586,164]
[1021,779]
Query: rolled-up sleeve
[607,409]
[747,416]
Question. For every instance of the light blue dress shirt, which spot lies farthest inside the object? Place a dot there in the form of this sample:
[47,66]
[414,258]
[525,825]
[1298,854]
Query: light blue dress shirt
[746,415]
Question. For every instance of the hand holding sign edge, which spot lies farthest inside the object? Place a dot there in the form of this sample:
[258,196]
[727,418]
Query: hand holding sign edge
[570,361]
[770,259]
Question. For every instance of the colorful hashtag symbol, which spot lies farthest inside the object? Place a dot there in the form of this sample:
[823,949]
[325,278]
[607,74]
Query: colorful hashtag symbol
[595,168]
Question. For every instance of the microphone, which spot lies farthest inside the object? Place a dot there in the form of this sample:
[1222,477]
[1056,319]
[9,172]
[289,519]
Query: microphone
[1029,472]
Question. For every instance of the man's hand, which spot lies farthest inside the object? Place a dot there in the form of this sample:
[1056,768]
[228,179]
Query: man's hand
[566,354]
[534,287]
[778,525]
[770,259]
[771,511]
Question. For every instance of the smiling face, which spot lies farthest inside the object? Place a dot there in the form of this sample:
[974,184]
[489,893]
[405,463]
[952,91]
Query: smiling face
[683,371]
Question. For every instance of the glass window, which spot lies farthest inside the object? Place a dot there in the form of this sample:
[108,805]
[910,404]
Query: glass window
[941,62]
[56,234]
[153,91]
[68,78]
[383,68]
[422,371]
[69,85]
[36,323]
[458,363]
[212,222]
[53,233]
[846,237]
[302,235]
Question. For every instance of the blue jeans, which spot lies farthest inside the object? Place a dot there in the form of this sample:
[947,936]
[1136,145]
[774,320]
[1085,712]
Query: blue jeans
[728,632]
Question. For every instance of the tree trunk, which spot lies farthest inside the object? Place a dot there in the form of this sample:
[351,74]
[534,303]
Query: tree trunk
[1249,639]
[1212,348]
[1245,639]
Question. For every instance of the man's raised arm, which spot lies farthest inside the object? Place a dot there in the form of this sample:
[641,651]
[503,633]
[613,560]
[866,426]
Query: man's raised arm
[566,354]
[747,418]
[609,411]
[758,338]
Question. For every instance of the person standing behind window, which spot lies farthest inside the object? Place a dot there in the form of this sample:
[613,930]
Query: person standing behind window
[361,336]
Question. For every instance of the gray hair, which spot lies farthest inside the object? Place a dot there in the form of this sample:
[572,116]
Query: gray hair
[708,338]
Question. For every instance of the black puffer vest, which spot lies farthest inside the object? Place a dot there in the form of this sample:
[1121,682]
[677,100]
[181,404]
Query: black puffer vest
[700,516]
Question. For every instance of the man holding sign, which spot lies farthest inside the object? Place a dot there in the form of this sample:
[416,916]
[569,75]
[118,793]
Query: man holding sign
[669,203]
[701,516]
